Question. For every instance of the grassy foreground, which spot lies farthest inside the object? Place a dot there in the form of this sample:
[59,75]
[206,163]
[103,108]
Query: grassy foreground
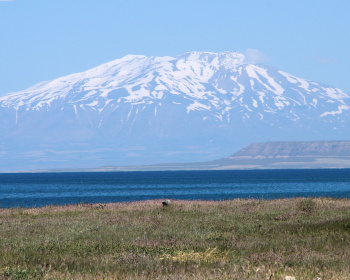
[235,239]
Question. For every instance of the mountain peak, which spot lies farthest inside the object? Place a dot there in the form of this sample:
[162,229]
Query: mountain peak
[227,58]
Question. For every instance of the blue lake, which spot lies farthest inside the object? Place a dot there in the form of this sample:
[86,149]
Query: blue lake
[39,189]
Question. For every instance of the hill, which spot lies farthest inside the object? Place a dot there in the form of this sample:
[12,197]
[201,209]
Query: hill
[268,155]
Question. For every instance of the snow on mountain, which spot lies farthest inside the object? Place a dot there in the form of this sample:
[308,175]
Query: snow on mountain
[196,106]
[211,81]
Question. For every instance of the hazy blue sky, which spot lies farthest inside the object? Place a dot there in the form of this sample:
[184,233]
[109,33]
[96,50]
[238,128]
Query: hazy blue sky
[46,39]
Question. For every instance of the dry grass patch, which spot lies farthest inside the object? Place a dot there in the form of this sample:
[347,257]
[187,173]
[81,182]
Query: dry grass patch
[233,239]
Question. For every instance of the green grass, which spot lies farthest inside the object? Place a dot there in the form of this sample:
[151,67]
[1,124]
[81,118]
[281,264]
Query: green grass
[234,239]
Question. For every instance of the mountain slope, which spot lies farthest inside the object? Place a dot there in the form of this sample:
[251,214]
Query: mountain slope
[142,110]
[295,149]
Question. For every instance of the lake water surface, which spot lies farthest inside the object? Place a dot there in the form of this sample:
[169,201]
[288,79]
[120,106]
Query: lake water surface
[39,189]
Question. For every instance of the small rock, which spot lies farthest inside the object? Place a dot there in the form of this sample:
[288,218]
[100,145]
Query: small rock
[166,202]
[289,278]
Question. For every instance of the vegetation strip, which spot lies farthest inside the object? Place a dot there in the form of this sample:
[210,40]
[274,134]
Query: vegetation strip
[303,238]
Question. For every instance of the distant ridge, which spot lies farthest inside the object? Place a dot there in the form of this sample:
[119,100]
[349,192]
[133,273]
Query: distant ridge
[295,149]
[268,155]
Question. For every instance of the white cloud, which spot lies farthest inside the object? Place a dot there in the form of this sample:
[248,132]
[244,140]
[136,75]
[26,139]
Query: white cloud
[255,56]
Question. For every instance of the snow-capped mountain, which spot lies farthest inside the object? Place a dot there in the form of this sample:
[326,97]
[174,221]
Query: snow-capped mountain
[139,110]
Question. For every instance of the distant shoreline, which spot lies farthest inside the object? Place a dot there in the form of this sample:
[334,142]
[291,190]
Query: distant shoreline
[86,205]
[147,168]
